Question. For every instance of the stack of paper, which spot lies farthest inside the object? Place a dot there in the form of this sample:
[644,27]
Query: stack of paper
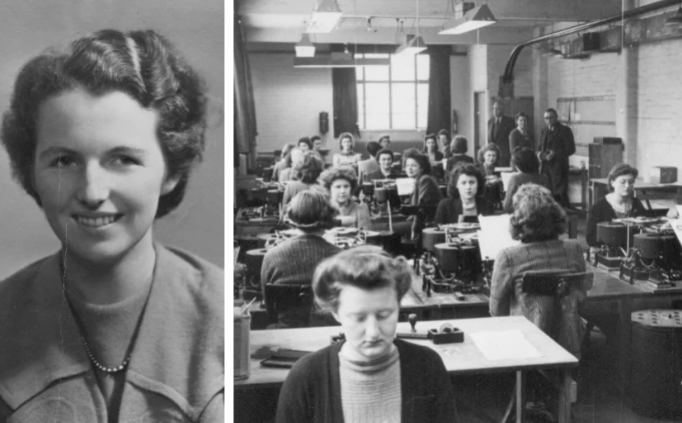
[494,235]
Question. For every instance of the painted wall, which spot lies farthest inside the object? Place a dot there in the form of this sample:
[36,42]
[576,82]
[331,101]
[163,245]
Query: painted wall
[196,28]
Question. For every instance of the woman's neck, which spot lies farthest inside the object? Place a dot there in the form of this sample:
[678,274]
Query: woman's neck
[386,172]
[111,282]
[468,201]
[618,199]
[343,206]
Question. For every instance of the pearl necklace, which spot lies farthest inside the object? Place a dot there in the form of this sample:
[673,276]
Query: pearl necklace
[108,370]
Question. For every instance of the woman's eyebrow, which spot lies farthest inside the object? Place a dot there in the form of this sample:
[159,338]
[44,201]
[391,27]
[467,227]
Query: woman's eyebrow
[129,150]
[51,151]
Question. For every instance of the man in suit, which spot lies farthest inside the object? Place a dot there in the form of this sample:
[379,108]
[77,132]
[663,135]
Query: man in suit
[370,165]
[556,145]
[499,127]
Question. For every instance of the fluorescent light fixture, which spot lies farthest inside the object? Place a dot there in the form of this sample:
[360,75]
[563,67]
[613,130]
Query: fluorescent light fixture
[305,47]
[413,44]
[338,60]
[476,18]
[325,17]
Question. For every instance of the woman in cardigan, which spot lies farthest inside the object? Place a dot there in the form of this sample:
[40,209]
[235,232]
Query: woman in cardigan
[305,176]
[537,222]
[435,156]
[113,327]
[294,260]
[520,136]
[487,158]
[459,147]
[527,163]
[426,192]
[465,191]
[370,376]
[386,170]
[347,156]
[341,183]
[619,203]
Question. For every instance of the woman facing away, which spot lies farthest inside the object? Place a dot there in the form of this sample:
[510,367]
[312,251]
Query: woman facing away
[528,165]
[114,327]
[306,172]
[370,376]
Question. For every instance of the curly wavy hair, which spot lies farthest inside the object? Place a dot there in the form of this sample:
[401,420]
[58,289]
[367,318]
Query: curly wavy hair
[310,211]
[619,170]
[537,216]
[366,267]
[467,169]
[340,172]
[419,157]
[141,64]
[349,136]
[488,147]
[525,160]
[309,169]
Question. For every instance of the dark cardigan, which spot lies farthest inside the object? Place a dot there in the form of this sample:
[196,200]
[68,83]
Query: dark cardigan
[602,211]
[312,391]
[449,209]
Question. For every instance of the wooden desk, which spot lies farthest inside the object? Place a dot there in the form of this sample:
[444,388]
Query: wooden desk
[459,359]
[599,188]
[433,307]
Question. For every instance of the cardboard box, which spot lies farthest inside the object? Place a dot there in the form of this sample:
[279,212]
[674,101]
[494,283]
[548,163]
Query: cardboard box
[663,174]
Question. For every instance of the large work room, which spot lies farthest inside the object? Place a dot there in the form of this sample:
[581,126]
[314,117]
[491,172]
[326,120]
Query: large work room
[454,211]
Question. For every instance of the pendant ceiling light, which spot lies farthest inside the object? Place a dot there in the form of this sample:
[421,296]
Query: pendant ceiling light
[476,18]
[325,17]
[414,43]
[305,47]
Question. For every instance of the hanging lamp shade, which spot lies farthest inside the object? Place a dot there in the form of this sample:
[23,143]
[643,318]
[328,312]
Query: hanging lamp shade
[305,47]
[325,17]
[476,18]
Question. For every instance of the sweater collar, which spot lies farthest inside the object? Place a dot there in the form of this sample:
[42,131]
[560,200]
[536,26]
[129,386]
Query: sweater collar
[49,347]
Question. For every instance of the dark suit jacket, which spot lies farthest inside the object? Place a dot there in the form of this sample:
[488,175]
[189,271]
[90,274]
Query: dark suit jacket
[499,135]
[560,140]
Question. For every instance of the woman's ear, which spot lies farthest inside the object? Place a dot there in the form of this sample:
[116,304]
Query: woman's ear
[169,184]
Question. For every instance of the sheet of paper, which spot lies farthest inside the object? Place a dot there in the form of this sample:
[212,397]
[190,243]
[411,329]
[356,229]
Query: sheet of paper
[506,176]
[494,235]
[677,227]
[504,345]
[405,186]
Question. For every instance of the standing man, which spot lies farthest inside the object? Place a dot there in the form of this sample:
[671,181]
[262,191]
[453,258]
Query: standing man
[499,127]
[556,145]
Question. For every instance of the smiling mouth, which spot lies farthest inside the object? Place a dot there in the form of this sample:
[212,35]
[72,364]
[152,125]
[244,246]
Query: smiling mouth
[96,222]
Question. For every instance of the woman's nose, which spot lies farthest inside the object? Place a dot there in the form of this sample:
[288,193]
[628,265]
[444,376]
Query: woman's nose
[372,328]
[94,186]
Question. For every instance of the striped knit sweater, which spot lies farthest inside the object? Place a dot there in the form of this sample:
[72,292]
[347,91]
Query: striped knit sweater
[370,392]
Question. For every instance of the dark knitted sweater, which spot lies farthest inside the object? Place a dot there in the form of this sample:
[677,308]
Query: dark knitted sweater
[602,211]
[312,391]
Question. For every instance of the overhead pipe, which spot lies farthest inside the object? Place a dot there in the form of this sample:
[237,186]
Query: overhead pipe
[508,76]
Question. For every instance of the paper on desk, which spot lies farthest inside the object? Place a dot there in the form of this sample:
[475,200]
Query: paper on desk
[494,235]
[405,186]
[504,345]
[677,227]
[506,176]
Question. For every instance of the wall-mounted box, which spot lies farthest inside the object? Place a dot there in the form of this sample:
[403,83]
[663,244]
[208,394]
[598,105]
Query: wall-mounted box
[663,174]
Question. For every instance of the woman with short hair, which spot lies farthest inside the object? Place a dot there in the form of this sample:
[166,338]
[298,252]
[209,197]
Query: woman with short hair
[370,376]
[294,260]
[465,196]
[283,163]
[620,202]
[528,165]
[435,156]
[459,147]
[305,144]
[294,160]
[444,140]
[487,161]
[520,136]
[386,170]
[341,183]
[537,222]
[347,156]
[306,174]
[426,192]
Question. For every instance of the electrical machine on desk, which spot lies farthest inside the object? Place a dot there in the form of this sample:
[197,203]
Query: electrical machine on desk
[656,258]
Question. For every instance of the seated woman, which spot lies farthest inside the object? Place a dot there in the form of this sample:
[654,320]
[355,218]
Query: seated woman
[537,222]
[371,164]
[103,135]
[617,204]
[528,165]
[347,156]
[283,163]
[426,192]
[487,158]
[341,184]
[295,160]
[386,170]
[294,260]
[305,144]
[458,147]
[306,174]
[435,156]
[444,140]
[371,375]
[465,190]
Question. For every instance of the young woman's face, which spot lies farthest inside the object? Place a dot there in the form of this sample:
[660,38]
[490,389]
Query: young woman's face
[369,319]
[490,157]
[624,185]
[340,191]
[385,143]
[303,146]
[99,172]
[467,186]
[430,144]
[346,144]
[521,123]
[443,140]
[386,162]
[317,145]
[412,168]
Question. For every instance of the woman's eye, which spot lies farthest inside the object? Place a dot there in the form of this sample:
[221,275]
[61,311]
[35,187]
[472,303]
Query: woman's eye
[63,161]
[125,160]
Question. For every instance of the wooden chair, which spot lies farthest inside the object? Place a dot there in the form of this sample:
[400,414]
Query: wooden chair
[289,305]
[558,294]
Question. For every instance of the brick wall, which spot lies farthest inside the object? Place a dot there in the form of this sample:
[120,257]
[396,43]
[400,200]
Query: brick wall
[288,101]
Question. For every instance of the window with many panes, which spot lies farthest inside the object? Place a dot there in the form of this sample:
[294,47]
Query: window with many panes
[395,96]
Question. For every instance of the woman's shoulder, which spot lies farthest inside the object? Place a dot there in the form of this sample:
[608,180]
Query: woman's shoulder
[307,369]
[194,268]
[17,282]
[413,354]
